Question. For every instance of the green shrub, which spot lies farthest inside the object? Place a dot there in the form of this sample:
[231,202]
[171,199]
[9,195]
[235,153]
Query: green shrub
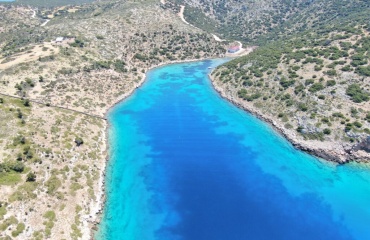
[363,71]
[16,166]
[338,114]
[247,83]
[357,124]
[285,83]
[356,93]
[348,127]
[50,215]
[316,87]
[367,117]
[303,107]
[7,222]
[325,120]
[346,68]
[331,72]
[330,83]
[327,131]
[309,82]
[78,43]
[31,177]
[119,66]
[20,228]
[52,184]
[299,129]
[298,89]
[79,141]
[242,93]
[26,102]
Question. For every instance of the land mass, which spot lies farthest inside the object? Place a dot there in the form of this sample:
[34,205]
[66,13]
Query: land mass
[309,76]
[57,81]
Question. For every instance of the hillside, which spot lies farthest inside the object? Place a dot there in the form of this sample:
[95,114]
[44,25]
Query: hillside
[309,77]
[55,94]
[266,20]
[313,87]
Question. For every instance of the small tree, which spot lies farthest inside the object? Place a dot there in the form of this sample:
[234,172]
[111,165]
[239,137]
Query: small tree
[17,166]
[327,131]
[31,177]
[79,141]
[26,102]
[19,113]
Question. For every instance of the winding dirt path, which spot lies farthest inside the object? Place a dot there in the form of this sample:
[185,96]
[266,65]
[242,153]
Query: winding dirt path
[181,14]
[217,38]
[44,23]
[33,13]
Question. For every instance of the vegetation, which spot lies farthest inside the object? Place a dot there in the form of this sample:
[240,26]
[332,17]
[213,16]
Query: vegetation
[79,141]
[304,79]
[356,93]
[271,20]
[87,72]
[31,177]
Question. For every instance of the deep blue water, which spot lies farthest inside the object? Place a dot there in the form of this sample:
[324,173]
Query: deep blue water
[186,164]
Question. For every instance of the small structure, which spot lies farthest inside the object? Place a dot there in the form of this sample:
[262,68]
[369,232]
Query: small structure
[59,40]
[233,49]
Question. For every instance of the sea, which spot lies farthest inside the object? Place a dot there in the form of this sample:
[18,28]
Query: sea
[185,164]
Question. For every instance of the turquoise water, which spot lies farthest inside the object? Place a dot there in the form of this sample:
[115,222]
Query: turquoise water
[186,164]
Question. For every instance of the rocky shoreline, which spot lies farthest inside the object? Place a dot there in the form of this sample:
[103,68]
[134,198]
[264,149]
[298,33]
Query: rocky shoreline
[333,152]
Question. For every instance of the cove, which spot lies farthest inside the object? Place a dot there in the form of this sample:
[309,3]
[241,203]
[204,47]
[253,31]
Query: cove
[186,164]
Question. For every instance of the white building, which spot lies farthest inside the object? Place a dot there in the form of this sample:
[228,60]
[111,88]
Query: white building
[59,39]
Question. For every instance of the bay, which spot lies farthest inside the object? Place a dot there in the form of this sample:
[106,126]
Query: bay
[186,164]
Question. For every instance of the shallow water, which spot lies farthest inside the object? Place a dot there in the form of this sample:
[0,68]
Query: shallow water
[186,164]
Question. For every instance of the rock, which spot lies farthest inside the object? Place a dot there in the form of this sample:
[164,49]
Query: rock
[363,145]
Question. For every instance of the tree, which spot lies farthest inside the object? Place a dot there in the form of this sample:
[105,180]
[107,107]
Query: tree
[79,141]
[18,87]
[316,87]
[31,177]
[327,131]
[19,113]
[26,102]
[17,166]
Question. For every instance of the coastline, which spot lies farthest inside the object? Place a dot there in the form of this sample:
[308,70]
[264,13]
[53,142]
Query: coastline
[334,153]
[91,220]
[97,213]
[325,154]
